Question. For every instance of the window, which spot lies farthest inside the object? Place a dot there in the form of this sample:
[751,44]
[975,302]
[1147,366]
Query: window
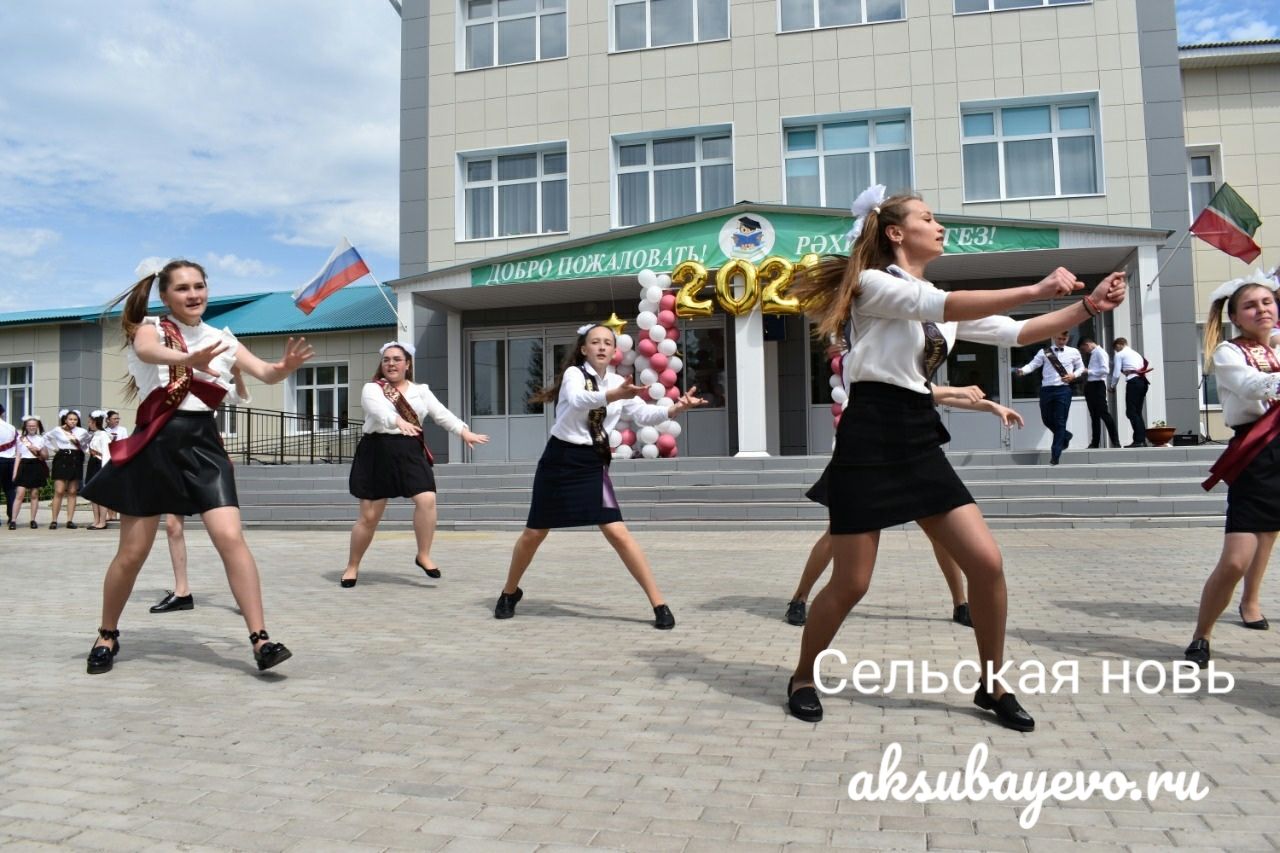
[1030,150]
[1204,177]
[320,396]
[655,23]
[509,195]
[704,353]
[813,14]
[504,32]
[16,391]
[1209,381]
[505,373]
[225,417]
[963,6]
[827,164]
[673,176]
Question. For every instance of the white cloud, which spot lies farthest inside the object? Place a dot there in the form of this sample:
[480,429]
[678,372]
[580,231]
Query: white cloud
[1254,30]
[26,242]
[1203,22]
[238,267]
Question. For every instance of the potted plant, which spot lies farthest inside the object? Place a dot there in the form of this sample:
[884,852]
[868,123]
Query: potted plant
[1159,434]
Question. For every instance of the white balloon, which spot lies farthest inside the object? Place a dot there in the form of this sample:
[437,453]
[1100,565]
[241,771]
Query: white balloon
[647,320]
[647,278]
[673,427]
[657,391]
[615,438]
[647,435]
[648,376]
[625,343]
[629,358]
[667,346]
[657,333]
[624,451]
[664,428]
[653,294]
[835,381]
[664,402]
[641,362]
[649,451]
[839,395]
[646,305]
[674,363]
[664,281]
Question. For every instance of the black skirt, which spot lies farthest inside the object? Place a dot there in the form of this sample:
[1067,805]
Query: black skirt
[571,488]
[888,467]
[389,466]
[183,470]
[1253,500]
[68,465]
[94,466]
[31,474]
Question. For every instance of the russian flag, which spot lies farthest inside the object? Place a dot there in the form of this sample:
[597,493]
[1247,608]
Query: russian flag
[343,267]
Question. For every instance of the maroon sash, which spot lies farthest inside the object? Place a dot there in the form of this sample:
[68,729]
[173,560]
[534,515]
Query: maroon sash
[1245,447]
[162,403]
[6,446]
[405,411]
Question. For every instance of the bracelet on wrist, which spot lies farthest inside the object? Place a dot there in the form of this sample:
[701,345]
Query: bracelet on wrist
[1088,307]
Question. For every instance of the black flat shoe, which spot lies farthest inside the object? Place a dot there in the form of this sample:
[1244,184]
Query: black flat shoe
[803,703]
[269,654]
[347,583]
[431,573]
[71,525]
[52,525]
[960,615]
[172,602]
[506,607]
[102,658]
[795,612]
[1257,625]
[1198,652]
[34,526]
[13,525]
[1009,713]
[662,618]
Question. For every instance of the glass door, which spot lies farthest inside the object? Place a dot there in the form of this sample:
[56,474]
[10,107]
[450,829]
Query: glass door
[982,365]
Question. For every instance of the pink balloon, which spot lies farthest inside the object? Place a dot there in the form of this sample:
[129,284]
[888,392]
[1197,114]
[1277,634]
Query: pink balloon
[667,318]
[617,357]
[667,377]
[836,409]
[835,365]
[666,444]
[675,451]
[628,437]
[658,361]
[673,393]
[668,302]
[646,347]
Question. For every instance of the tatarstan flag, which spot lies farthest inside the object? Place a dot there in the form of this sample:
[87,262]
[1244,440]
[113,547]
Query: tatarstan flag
[1228,223]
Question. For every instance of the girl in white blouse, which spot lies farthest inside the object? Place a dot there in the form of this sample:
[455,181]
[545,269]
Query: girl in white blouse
[67,443]
[572,487]
[393,460]
[1248,371]
[888,466]
[31,471]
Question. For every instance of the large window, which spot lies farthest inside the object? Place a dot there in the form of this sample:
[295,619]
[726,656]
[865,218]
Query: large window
[1030,150]
[655,23]
[1204,176]
[704,353]
[320,396]
[829,163]
[509,195]
[504,32]
[963,6]
[505,373]
[674,176]
[813,14]
[16,391]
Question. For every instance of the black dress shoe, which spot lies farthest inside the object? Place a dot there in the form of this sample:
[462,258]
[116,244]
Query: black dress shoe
[431,573]
[1257,625]
[795,612]
[507,604]
[803,703]
[1053,460]
[1008,711]
[961,615]
[71,525]
[662,618]
[1094,446]
[269,654]
[102,658]
[172,602]
[347,583]
[34,525]
[53,525]
[1137,444]
[13,525]
[1198,652]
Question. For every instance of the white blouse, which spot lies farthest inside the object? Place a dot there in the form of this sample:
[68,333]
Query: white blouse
[1243,390]
[886,340]
[381,416]
[118,432]
[24,452]
[8,433]
[60,439]
[149,377]
[100,445]
[576,401]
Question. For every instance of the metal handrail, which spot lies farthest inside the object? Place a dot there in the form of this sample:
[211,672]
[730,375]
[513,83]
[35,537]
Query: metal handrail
[280,438]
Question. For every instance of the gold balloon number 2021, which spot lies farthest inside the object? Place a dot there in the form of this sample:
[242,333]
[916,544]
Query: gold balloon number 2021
[766,284]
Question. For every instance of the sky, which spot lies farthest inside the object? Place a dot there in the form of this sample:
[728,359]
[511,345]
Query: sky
[248,135]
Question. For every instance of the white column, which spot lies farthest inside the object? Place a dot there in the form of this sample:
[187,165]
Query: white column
[749,362]
[1152,333]
[456,396]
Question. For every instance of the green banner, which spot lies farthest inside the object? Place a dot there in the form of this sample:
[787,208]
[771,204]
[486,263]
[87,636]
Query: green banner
[747,235]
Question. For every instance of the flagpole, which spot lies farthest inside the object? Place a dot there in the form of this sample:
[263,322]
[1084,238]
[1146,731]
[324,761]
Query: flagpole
[386,298]
[1172,252]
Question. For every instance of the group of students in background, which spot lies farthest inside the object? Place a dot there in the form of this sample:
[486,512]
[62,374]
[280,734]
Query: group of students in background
[69,453]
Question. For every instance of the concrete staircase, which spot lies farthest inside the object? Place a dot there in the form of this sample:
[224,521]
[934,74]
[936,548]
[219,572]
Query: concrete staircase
[1142,487]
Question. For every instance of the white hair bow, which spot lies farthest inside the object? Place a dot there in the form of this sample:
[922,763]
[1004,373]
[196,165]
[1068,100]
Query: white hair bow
[150,267]
[382,350]
[867,201]
[586,327]
[97,413]
[1228,289]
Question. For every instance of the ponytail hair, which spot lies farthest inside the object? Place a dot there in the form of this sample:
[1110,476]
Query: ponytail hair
[136,300]
[831,286]
[573,358]
[1213,323]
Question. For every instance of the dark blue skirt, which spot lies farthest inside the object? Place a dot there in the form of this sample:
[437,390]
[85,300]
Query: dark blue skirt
[1253,500]
[571,488]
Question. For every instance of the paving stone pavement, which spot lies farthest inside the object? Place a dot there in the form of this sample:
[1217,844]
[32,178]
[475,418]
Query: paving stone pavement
[410,719]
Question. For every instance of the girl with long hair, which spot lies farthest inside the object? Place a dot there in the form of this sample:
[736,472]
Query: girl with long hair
[181,368]
[571,487]
[31,471]
[99,455]
[1248,371]
[67,443]
[393,460]
[888,466]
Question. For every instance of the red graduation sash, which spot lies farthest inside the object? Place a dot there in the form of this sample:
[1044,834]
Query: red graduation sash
[405,411]
[162,403]
[1245,447]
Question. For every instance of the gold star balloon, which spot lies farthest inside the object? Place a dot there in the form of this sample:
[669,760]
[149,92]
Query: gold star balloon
[616,323]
